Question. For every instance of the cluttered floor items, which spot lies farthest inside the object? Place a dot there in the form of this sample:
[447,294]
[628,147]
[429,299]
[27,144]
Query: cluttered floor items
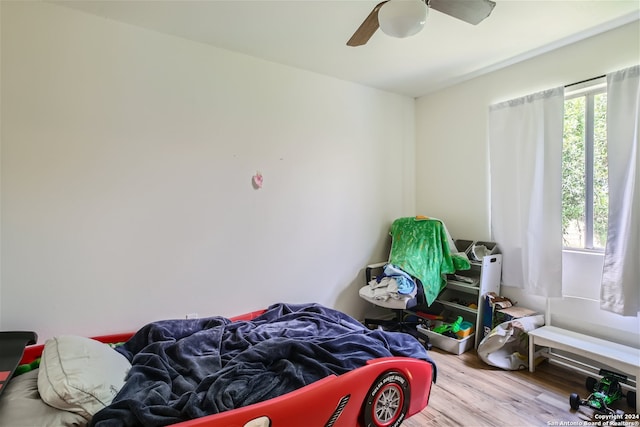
[505,347]
[503,328]
[505,341]
[513,338]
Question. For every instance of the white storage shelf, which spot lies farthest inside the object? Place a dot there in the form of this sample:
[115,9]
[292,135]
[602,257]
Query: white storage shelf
[458,300]
[459,294]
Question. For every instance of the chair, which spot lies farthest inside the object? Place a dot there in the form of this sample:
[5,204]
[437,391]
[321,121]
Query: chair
[400,322]
[422,248]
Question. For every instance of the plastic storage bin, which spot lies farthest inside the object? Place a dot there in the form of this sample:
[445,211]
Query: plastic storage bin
[455,346]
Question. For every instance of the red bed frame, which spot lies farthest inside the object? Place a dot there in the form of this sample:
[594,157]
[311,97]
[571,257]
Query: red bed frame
[382,393]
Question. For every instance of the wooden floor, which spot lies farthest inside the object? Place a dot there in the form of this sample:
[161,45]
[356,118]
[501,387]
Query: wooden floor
[470,393]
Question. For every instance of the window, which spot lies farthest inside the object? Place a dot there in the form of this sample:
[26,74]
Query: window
[585,198]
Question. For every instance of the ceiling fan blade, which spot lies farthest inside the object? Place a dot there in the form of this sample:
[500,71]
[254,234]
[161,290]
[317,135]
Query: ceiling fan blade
[367,28]
[471,11]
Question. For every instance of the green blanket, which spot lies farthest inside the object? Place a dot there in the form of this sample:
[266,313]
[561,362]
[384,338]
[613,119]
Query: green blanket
[420,247]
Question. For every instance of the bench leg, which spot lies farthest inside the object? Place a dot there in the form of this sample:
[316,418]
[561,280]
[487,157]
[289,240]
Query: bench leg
[532,350]
[638,390]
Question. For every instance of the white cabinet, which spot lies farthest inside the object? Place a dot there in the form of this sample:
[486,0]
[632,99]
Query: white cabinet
[463,294]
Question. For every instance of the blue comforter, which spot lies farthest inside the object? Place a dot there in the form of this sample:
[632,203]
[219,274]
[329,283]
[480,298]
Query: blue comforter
[184,369]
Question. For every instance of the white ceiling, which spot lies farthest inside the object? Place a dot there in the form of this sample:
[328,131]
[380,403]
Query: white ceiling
[312,35]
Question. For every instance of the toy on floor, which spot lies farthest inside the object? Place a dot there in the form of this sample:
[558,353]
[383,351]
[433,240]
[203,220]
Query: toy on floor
[603,393]
[449,329]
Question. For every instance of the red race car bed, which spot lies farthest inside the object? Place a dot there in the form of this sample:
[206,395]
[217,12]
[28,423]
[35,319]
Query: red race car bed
[287,366]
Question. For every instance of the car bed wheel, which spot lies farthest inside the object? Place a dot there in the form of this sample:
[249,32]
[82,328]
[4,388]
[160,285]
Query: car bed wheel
[591,384]
[387,401]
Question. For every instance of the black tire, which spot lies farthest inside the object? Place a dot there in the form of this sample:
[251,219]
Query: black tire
[631,399]
[574,401]
[387,401]
[591,384]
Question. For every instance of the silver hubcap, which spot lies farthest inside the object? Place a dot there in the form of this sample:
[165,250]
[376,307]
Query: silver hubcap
[388,404]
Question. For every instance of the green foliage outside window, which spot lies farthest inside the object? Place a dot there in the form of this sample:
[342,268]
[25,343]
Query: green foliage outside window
[575,226]
[573,173]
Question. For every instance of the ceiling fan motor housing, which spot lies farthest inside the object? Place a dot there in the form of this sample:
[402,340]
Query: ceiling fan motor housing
[402,18]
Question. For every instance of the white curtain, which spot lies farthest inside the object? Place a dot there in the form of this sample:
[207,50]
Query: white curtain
[525,145]
[619,292]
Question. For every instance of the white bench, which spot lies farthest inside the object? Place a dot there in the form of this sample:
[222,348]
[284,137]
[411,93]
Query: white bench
[617,356]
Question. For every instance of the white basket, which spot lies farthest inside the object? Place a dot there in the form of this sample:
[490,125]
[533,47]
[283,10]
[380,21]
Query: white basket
[452,345]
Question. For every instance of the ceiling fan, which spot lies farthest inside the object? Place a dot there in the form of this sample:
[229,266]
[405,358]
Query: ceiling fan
[403,18]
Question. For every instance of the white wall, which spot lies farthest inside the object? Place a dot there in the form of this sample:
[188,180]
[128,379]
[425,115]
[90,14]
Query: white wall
[452,143]
[127,158]
[0,168]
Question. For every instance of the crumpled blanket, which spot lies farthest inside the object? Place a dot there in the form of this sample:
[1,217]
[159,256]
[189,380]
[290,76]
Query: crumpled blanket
[185,369]
[420,247]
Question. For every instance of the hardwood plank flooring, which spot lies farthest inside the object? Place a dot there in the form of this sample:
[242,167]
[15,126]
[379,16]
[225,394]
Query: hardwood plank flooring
[470,393]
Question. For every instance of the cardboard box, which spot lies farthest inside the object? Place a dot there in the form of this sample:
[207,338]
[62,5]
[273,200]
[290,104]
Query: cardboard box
[506,314]
[494,315]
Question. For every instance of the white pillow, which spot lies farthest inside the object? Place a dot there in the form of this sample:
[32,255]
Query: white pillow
[80,375]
